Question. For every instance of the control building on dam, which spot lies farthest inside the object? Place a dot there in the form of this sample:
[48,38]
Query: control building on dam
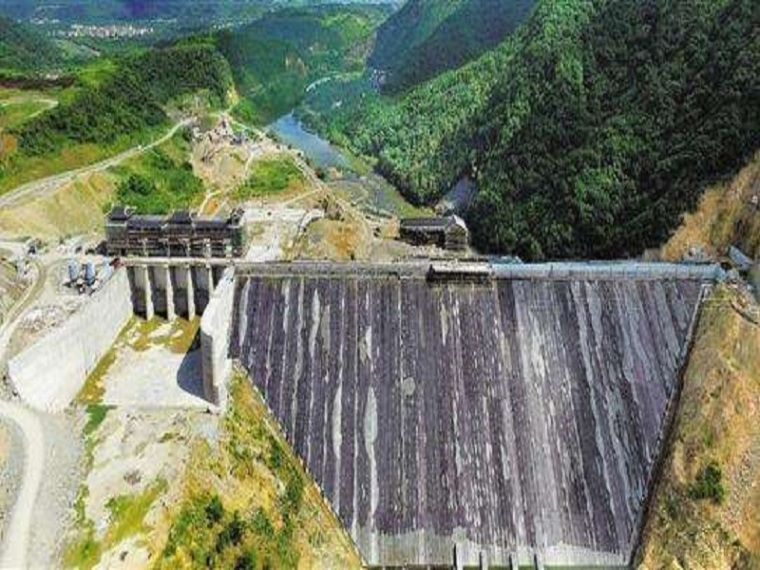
[516,416]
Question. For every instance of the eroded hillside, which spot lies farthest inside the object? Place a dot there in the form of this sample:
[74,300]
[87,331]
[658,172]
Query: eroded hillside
[706,509]
[728,214]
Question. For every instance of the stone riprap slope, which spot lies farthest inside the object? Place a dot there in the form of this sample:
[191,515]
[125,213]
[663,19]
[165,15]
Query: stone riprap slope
[509,417]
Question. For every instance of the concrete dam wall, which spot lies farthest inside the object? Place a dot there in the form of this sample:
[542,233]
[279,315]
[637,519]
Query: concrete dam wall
[50,373]
[511,417]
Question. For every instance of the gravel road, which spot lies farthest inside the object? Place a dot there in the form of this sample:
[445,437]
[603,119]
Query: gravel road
[44,186]
[16,539]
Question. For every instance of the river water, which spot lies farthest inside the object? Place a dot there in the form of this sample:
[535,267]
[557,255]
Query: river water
[291,131]
[370,191]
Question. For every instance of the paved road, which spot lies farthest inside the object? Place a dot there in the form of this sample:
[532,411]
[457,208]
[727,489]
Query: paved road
[16,545]
[44,186]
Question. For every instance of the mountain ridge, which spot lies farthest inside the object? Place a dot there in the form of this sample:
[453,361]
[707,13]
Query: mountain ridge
[589,131]
[424,39]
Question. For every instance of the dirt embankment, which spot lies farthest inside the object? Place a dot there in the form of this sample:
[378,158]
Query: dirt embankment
[76,208]
[706,508]
[728,214]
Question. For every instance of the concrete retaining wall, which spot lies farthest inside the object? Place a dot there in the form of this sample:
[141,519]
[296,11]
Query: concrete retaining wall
[215,339]
[50,373]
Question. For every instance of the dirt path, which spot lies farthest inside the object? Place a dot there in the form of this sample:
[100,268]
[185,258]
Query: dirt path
[44,186]
[16,541]
[20,100]
[209,196]
[16,544]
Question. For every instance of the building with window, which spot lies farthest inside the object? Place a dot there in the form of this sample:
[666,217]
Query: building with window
[177,235]
[448,232]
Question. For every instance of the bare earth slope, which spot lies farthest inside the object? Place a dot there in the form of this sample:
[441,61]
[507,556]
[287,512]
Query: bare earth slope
[718,424]
[728,214]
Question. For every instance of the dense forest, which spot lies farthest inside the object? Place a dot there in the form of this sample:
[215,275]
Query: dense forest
[423,39]
[589,131]
[22,49]
[130,99]
[275,58]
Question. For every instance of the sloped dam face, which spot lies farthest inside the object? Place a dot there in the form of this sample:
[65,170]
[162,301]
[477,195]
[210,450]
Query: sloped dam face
[507,417]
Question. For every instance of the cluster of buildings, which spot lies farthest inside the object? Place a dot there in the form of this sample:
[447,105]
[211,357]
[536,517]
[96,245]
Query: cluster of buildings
[185,235]
[221,133]
[110,31]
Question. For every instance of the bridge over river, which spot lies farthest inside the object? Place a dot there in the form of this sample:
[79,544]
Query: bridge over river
[517,413]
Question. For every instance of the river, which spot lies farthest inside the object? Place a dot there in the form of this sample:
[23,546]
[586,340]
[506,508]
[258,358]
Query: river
[370,191]
[291,131]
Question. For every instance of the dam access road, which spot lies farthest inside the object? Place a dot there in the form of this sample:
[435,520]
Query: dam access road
[13,550]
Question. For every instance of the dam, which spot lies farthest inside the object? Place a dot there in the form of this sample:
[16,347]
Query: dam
[517,417]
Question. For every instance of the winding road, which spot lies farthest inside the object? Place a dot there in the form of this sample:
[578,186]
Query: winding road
[16,543]
[46,102]
[45,186]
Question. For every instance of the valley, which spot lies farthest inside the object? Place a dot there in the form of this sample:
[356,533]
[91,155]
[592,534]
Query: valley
[379,284]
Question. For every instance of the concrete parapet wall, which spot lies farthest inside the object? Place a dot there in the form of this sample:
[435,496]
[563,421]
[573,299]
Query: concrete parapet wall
[49,373]
[575,271]
[215,339]
[628,271]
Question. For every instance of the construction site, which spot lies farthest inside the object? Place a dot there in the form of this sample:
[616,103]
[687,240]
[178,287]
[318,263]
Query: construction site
[444,409]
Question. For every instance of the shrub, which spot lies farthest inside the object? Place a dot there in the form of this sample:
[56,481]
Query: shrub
[214,510]
[261,525]
[246,561]
[708,484]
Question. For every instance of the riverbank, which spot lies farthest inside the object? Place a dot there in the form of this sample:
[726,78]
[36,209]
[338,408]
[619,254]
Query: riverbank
[351,177]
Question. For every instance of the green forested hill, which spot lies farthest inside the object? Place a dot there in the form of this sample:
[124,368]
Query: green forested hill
[589,131]
[427,37]
[184,13]
[22,49]
[415,22]
[276,57]
[128,101]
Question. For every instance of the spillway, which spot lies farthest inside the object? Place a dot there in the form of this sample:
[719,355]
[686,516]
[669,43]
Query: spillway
[510,417]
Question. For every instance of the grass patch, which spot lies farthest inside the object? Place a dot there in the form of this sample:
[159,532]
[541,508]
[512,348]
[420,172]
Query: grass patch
[269,177]
[168,436]
[17,113]
[127,519]
[128,512]
[161,179]
[85,552]
[96,414]
[180,336]
[701,517]
[184,336]
[266,514]
[79,504]
[19,169]
[93,389]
